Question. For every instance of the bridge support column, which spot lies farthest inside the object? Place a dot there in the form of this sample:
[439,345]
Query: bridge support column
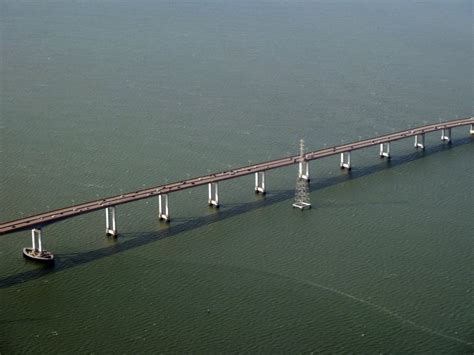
[446,135]
[163,210]
[385,150]
[345,160]
[110,226]
[420,141]
[303,170]
[213,199]
[260,182]
[471,129]
[36,235]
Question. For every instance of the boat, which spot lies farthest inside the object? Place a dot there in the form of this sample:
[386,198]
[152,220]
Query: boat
[43,256]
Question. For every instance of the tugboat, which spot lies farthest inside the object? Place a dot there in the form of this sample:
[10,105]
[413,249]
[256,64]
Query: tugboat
[42,256]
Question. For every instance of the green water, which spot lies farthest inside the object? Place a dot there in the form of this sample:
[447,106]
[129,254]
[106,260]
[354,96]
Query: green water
[104,97]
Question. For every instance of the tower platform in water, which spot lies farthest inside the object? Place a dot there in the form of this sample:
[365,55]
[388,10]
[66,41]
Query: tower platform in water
[302,205]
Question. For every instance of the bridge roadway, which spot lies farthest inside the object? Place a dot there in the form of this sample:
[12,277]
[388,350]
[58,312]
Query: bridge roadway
[43,219]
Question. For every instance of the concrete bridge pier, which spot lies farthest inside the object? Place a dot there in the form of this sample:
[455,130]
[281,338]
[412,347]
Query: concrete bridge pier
[110,226]
[345,160]
[163,210]
[471,129]
[385,150]
[213,199]
[420,141]
[303,170]
[446,135]
[260,182]
[36,235]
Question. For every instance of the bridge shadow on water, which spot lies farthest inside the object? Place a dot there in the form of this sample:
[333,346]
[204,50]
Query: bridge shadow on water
[135,240]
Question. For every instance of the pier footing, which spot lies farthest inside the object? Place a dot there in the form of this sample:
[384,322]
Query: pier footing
[303,170]
[110,225]
[213,199]
[446,135]
[163,210]
[385,150]
[260,182]
[420,141]
[345,161]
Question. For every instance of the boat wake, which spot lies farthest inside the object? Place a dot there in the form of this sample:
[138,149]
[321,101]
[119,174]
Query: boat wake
[383,310]
[372,305]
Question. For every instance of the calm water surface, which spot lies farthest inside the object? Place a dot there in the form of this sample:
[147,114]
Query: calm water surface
[104,97]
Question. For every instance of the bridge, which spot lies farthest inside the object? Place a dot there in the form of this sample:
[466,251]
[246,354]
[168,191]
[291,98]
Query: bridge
[37,222]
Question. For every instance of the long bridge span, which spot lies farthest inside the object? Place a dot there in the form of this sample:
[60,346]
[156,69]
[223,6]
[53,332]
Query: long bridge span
[39,221]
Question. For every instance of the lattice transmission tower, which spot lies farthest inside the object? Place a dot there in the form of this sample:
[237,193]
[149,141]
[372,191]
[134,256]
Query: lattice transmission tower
[302,200]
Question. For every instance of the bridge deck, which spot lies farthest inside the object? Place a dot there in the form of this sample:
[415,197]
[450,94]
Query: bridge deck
[46,218]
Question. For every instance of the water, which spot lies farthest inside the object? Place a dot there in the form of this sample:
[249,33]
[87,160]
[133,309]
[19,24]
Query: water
[100,98]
